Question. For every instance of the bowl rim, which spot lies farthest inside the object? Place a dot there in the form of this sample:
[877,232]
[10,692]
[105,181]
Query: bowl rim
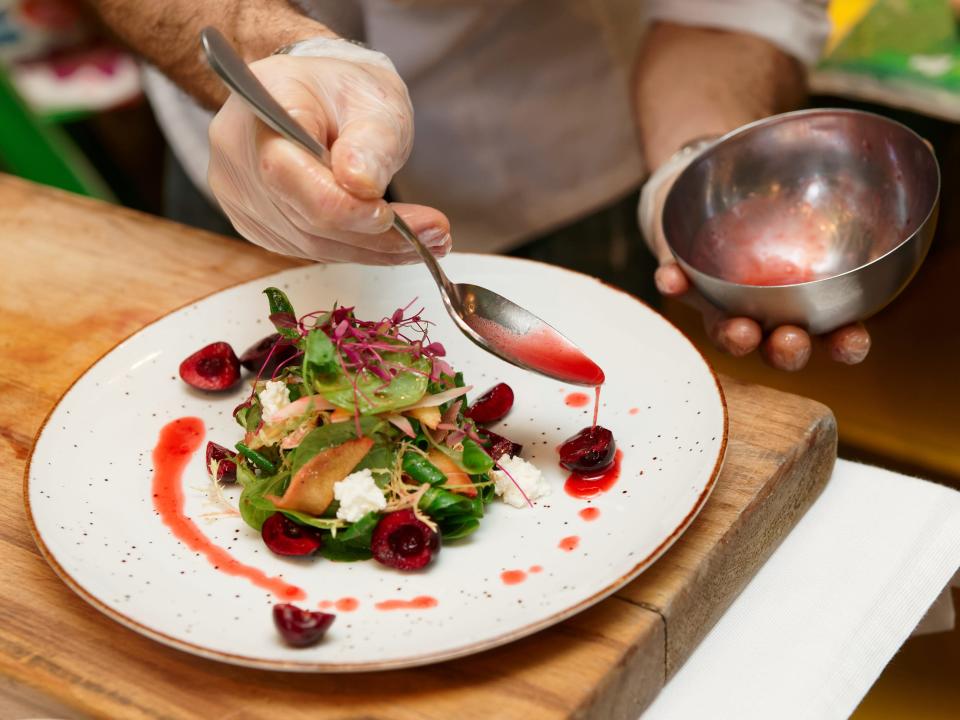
[786,117]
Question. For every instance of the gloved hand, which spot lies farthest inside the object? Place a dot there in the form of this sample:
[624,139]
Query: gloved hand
[787,347]
[280,197]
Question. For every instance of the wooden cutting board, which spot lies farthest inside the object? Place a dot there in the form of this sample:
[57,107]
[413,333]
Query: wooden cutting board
[80,275]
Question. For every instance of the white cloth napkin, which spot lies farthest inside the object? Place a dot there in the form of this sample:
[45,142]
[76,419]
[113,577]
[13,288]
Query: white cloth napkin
[814,629]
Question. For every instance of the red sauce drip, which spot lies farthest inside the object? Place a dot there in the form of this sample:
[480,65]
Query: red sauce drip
[587,487]
[347,604]
[589,513]
[535,569]
[634,411]
[544,349]
[596,405]
[513,577]
[569,544]
[325,604]
[178,442]
[577,399]
[421,602]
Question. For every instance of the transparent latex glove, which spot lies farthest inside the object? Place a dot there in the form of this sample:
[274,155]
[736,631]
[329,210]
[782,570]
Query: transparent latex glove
[279,196]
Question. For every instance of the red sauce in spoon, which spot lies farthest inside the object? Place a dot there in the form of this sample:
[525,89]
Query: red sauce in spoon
[543,349]
[178,442]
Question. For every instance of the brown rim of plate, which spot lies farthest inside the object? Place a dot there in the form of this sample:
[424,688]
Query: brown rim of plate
[414,661]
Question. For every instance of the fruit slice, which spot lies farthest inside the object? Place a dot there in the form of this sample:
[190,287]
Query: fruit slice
[589,452]
[311,489]
[429,416]
[214,367]
[457,480]
[286,537]
[403,542]
[492,406]
[301,628]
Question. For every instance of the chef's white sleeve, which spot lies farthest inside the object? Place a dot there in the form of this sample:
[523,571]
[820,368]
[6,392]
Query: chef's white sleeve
[798,27]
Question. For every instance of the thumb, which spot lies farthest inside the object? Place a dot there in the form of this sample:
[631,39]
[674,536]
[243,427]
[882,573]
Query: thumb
[375,133]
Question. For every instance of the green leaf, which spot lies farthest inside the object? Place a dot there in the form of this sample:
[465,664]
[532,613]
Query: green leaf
[281,313]
[455,515]
[372,396]
[353,542]
[476,461]
[324,523]
[330,435]
[254,507]
[320,359]
[381,456]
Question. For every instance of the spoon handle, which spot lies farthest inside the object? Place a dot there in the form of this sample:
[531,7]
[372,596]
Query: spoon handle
[237,76]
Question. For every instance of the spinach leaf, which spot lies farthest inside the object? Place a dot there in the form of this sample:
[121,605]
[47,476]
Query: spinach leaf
[372,396]
[353,542]
[380,456]
[330,435]
[455,515]
[319,359]
[281,313]
[254,507]
[476,461]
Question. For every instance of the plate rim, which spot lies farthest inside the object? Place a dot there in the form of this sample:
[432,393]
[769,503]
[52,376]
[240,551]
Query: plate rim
[410,661]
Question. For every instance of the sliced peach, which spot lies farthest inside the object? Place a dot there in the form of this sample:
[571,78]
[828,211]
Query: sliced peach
[457,480]
[339,415]
[429,416]
[311,489]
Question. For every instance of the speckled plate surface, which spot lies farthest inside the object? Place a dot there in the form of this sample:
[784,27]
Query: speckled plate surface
[88,485]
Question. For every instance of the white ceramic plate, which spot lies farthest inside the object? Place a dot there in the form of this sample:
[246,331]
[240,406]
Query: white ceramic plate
[88,486]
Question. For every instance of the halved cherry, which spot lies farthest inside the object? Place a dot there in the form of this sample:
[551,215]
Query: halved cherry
[301,628]
[286,537]
[590,452]
[498,446]
[492,406]
[214,367]
[264,356]
[403,542]
[223,459]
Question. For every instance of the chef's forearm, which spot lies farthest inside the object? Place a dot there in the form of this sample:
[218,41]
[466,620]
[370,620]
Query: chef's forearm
[167,34]
[694,82]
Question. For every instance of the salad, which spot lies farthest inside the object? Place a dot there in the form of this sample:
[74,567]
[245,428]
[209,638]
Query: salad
[358,440]
[359,443]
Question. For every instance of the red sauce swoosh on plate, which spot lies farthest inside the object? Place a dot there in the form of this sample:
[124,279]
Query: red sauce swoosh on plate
[421,602]
[178,441]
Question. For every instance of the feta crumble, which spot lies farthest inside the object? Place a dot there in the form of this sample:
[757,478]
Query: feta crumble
[358,494]
[273,398]
[527,476]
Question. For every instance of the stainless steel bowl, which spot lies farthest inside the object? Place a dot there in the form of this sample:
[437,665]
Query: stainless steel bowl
[814,218]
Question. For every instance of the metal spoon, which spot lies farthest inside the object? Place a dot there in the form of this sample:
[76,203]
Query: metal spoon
[496,324]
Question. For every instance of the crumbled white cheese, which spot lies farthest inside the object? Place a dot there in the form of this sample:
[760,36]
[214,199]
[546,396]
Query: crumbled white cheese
[358,495]
[526,475]
[273,398]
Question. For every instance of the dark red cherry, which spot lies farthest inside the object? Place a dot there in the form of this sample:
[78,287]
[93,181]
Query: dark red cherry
[492,406]
[255,357]
[590,452]
[301,628]
[222,458]
[286,537]
[214,367]
[403,542]
[498,446]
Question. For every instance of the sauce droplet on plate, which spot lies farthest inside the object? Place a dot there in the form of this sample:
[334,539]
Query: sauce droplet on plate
[347,604]
[634,411]
[178,441]
[513,577]
[535,569]
[569,544]
[579,486]
[589,513]
[421,602]
[576,399]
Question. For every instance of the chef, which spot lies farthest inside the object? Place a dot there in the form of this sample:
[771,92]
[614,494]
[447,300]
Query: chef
[534,118]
